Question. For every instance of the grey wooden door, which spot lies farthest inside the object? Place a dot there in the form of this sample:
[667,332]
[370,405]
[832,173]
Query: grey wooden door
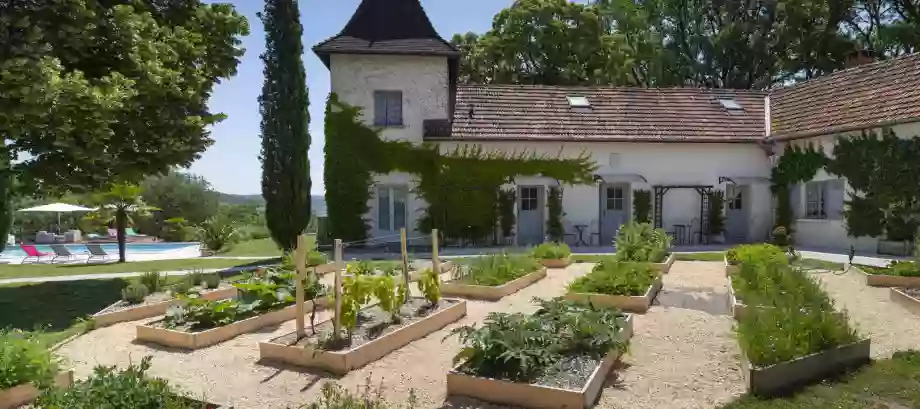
[614,211]
[736,215]
[530,215]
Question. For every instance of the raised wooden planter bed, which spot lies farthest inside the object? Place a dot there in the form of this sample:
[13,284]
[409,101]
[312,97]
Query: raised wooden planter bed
[27,393]
[882,280]
[731,268]
[104,319]
[482,292]
[536,396]
[665,266]
[905,300]
[341,362]
[785,376]
[556,263]
[629,303]
[736,306]
[150,332]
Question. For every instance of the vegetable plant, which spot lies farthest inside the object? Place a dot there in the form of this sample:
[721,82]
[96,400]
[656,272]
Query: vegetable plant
[616,278]
[641,242]
[210,281]
[552,251]
[334,396]
[25,359]
[182,287]
[363,268]
[384,289]
[430,285]
[520,347]
[498,269]
[896,268]
[153,280]
[109,388]
[195,276]
[135,293]
[356,291]
[315,258]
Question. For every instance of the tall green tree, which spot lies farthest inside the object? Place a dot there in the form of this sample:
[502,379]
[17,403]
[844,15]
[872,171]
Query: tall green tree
[285,120]
[99,91]
[178,194]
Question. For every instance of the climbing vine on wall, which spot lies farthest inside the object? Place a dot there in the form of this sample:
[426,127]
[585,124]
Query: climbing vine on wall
[554,227]
[642,205]
[506,201]
[798,164]
[461,187]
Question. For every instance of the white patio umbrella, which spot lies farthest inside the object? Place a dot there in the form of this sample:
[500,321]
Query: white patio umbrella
[58,208]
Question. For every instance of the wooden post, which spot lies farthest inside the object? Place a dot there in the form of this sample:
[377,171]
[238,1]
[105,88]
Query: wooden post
[300,263]
[405,257]
[337,290]
[435,262]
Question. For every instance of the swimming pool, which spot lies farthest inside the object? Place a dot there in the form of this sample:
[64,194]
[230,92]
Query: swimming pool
[111,248]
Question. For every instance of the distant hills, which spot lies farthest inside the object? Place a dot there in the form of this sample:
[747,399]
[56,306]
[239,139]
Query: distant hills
[318,201]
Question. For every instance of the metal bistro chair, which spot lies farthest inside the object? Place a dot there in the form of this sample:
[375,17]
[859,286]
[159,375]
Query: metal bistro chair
[594,229]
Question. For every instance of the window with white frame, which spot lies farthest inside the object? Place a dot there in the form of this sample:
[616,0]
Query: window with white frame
[530,199]
[392,207]
[824,199]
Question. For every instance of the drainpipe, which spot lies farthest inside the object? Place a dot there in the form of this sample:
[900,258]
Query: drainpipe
[767,125]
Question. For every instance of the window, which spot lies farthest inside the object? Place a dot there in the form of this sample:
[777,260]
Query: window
[529,199]
[730,104]
[388,108]
[578,102]
[734,197]
[391,207]
[824,199]
[615,198]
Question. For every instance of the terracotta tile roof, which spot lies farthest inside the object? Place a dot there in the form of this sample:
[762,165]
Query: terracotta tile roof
[387,27]
[525,112]
[871,95]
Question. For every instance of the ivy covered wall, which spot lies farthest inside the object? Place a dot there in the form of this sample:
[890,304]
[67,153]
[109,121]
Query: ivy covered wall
[462,188]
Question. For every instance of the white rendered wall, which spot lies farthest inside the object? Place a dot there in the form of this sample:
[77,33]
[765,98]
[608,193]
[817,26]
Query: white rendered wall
[832,234]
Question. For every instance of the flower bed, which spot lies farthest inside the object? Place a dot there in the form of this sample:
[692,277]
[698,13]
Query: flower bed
[553,255]
[628,286]
[665,266]
[26,367]
[642,243]
[898,274]
[27,393]
[373,338]
[157,331]
[155,304]
[493,277]
[795,336]
[731,262]
[907,297]
[542,368]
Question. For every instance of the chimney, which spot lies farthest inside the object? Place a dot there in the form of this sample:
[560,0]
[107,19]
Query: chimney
[860,57]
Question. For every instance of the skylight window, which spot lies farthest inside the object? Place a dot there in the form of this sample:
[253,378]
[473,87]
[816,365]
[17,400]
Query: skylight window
[730,104]
[578,102]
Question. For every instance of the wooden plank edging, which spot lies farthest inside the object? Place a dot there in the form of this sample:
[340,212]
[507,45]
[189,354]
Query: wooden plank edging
[27,393]
[630,303]
[482,292]
[785,376]
[556,263]
[884,280]
[905,300]
[665,266]
[104,319]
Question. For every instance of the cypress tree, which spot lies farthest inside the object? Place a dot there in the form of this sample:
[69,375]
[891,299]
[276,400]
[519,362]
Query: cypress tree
[285,121]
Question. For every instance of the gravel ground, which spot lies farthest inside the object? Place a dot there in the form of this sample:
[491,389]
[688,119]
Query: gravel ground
[891,327]
[682,356]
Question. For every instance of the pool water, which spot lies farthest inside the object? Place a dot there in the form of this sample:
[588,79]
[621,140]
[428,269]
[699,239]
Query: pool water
[111,248]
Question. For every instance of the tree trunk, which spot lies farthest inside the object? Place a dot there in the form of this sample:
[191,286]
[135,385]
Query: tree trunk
[121,221]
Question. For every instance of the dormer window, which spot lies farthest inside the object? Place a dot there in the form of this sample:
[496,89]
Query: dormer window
[388,108]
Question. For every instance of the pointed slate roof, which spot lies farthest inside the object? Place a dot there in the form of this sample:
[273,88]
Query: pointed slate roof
[387,27]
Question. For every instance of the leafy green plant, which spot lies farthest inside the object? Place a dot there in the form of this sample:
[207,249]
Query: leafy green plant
[896,268]
[781,237]
[361,268]
[616,278]
[641,242]
[210,281]
[135,293]
[496,269]
[218,233]
[195,277]
[521,347]
[554,227]
[552,251]
[356,291]
[109,388]
[731,256]
[642,205]
[25,359]
[430,285]
[182,287]
[716,212]
[334,396]
[153,280]
[315,258]
[384,288]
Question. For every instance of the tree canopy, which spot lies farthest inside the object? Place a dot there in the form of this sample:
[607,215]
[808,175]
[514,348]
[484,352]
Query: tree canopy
[98,91]
[654,43]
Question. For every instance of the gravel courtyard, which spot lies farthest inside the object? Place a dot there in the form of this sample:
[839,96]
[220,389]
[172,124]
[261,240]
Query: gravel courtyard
[683,354]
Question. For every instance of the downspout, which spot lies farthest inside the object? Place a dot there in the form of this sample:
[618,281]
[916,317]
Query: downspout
[768,129]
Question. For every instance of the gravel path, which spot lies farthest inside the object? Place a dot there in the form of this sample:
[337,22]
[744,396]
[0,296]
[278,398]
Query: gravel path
[891,327]
[682,356]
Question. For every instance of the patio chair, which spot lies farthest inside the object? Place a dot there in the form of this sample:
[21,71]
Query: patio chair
[569,232]
[594,230]
[129,231]
[61,252]
[96,252]
[33,255]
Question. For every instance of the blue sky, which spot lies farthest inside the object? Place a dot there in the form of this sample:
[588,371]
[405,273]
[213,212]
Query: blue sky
[232,163]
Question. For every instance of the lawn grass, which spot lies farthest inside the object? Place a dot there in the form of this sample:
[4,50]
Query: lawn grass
[810,263]
[255,248]
[54,270]
[710,256]
[885,384]
[590,258]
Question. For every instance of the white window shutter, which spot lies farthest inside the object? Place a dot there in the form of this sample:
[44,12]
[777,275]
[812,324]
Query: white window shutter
[394,108]
[833,198]
[795,199]
[380,108]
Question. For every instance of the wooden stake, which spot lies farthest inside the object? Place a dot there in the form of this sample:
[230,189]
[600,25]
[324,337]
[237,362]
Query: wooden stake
[405,257]
[300,262]
[435,262]
[337,290]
